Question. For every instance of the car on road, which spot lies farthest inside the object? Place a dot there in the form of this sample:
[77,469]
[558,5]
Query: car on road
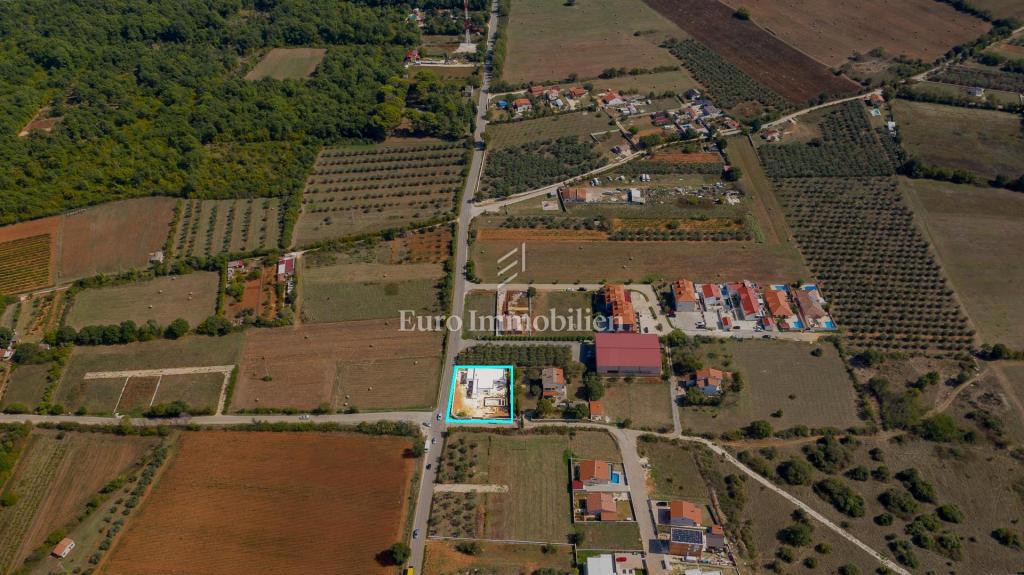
[439,416]
[433,440]
[304,417]
[429,465]
[415,533]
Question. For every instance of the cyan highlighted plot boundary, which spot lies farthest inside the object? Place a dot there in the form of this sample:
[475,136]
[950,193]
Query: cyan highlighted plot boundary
[449,418]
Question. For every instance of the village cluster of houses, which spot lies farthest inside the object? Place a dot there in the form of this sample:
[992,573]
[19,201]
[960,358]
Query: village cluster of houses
[554,97]
[697,115]
[600,492]
[746,305]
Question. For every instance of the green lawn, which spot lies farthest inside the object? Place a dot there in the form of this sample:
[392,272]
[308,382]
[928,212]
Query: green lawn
[582,124]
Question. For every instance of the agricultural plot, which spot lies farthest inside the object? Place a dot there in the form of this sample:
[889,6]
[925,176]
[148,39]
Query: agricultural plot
[849,146]
[54,480]
[550,41]
[209,227]
[983,142]
[885,288]
[33,316]
[287,64]
[514,134]
[954,94]
[94,240]
[536,473]
[781,378]
[530,166]
[348,489]
[640,405]
[569,259]
[192,297]
[101,395]
[495,559]
[981,76]
[352,191]
[26,386]
[431,246]
[343,292]
[365,364]
[834,32]
[977,234]
[727,84]
[768,60]
[675,81]
[28,255]
[674,471]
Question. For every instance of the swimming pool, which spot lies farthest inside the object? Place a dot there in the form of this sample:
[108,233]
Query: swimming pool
[616,477]
[830,324]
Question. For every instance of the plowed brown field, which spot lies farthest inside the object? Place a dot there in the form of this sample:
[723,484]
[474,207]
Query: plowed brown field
[684,158]
[535,235]
[239,503]
[773,63]
[20,263]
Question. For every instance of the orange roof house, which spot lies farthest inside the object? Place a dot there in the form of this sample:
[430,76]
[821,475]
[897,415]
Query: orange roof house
[809,307]
[619,307]
[777,302]
[553,382]
[684,513]
[593,471]
[63,548]
[602,505]
[596,410]
[709,380]
[537,90]
[577,92]
[685,295]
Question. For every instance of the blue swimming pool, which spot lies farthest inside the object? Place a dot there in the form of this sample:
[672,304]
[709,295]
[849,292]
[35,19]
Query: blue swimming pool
[797,324]
[830,324]
[616,477]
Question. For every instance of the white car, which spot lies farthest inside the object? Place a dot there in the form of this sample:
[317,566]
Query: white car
[304,417]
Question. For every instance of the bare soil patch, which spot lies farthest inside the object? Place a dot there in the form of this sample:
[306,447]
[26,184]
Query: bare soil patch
[238,503]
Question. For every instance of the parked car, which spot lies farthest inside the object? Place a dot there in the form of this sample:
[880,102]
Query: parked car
[415,533]
[304,417]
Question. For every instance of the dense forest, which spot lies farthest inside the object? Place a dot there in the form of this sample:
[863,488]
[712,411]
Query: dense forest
[153,101]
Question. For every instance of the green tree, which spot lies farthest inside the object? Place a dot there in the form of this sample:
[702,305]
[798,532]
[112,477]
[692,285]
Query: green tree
[400,552]
[759,429]
[742,13]
[177,328]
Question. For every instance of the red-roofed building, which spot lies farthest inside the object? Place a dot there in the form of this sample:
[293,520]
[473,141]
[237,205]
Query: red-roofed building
[709,380]
[612,99]
[749,305]
[628,353]
[684,295]
[684,514]
[537,90]
[810,309]
[63,548]
[619,308]
[596,410]
[711,294]
[553,382]
[285,268]
[521,105]
[594,472]
[602,506]
[778,303]
[577,92]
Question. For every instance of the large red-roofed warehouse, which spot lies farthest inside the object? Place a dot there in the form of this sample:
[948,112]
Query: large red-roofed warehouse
[628,353]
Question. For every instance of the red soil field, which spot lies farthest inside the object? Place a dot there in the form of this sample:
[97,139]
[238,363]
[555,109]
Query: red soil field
[90,462]
[430,247]
[239,503]
[299,367]
[113,237]
[537,235]
[45,226]
[138,393]
[775,64]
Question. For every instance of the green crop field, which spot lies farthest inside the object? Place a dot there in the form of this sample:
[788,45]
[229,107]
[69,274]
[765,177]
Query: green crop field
[511,134]
[644,405]
[984,142]
[978,235]
[287,64]
[778,375]
[192,297]
[677,81]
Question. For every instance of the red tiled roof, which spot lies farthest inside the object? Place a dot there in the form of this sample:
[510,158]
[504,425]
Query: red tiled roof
[685,510]
[628,349]
[808,306]
[683,290]
[596,409]
[602,503]
[711,290]
[748,300]
[594,469]
[777,302]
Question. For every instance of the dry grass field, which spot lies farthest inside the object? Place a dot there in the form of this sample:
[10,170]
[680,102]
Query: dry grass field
[778,376]
[1002,8]
[297,503]
[678,81]
[343,292]
[95,240]
[831,32]
[209,227]
[441,558]
[977,234]
[645,405]
[28,255]
[363,189]
[287,64]
[984,483]
[26,385]
[984,142]
[619,261]
[549,41]
[101,395]
[537,475]
[674,471]
[582,124]
[367,364]
[164,299]
[53,481]
[773,63]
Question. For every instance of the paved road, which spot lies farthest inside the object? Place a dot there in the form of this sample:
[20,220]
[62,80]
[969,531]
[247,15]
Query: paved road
[454,341]
[799,113]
